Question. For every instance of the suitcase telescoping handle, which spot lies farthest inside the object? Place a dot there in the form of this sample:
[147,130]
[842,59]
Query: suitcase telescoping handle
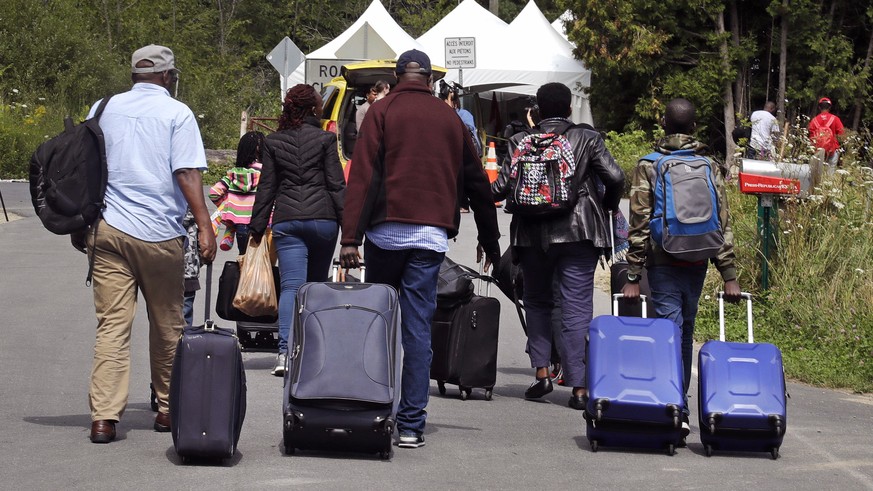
[208,323]
[616,296]
[337,270]
[748,297]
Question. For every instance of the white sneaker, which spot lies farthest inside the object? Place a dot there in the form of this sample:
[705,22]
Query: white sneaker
[281,359]
[410,441]
[686,429]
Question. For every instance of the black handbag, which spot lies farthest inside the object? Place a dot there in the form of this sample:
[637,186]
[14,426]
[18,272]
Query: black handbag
[227,284]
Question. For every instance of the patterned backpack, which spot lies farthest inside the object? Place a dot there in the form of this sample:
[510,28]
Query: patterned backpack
[541,176]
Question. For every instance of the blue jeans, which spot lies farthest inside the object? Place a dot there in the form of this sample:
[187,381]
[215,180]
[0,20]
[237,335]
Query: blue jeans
[305,249]
[675,295]
[188,307]
[571,266]
[414,273]
[242,237]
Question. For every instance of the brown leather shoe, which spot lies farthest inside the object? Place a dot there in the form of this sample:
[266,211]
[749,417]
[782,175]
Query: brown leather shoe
[102,431]
[162,422]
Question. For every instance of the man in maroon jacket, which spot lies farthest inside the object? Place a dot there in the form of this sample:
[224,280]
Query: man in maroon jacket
[412,161]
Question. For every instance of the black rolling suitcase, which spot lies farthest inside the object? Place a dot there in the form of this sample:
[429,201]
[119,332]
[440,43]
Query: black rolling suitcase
[342,385]
[207,390]
[464,343]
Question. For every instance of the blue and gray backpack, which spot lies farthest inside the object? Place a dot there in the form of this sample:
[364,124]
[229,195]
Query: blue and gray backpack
[685,218]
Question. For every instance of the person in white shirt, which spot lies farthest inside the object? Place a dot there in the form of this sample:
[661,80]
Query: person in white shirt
[764,128]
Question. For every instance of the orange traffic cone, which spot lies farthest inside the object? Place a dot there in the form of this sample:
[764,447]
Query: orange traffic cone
[491,166]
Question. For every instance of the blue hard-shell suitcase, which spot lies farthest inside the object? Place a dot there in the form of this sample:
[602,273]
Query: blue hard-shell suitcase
[634,378]
[742,396]
[207,390]
[342,386]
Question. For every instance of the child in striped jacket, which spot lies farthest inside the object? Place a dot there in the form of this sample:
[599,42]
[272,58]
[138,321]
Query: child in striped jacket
[234,194]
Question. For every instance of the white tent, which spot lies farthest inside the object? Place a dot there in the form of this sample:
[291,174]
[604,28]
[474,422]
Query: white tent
[515,58]
[558,25]
[374,35]
[468,19]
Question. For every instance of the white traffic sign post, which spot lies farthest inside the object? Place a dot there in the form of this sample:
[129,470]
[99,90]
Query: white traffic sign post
[285,58]
[460,54]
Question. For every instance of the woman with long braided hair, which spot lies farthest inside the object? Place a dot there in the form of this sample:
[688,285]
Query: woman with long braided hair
[302,185]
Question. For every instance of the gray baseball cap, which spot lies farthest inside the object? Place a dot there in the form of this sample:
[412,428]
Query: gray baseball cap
[161,56]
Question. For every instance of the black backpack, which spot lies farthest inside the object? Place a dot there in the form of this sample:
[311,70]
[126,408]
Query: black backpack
[68,176]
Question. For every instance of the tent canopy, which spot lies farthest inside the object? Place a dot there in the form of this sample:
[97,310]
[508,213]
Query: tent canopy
[374,35]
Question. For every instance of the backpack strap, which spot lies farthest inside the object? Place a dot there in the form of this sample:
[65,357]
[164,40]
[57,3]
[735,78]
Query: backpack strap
[101,107]
[103,178]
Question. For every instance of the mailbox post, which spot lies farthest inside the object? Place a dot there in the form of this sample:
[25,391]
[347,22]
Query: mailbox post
[770,181]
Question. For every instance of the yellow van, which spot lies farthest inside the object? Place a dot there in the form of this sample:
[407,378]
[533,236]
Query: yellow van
[344,94]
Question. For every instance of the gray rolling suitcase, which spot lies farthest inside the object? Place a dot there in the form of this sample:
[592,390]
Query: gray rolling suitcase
[342,385]
[207,390]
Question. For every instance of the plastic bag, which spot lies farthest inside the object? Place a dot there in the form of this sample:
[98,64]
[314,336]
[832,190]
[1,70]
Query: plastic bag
[256,294]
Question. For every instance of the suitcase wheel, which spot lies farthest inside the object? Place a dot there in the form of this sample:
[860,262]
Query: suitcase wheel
[465,393]
[153,398]
[289,450]
[488,394]
[385,455]
[594,446]
[707,449]
[442,387]
[671,449]
[774,453]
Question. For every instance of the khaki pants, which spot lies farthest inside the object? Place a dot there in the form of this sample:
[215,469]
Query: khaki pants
[122,265]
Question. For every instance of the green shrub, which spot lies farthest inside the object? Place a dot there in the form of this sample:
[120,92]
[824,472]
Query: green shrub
[626,149]
[22,128]
[819,307]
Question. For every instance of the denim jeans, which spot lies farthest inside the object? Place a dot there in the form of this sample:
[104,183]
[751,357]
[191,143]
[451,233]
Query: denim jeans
[675,295]
[572,266]
[242,238]
[188,307]
[305,249]
[414,273]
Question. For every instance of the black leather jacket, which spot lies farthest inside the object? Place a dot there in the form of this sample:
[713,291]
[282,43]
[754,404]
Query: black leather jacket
[588,220]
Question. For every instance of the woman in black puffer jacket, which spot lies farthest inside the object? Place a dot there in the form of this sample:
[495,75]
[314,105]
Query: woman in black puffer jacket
[302,185]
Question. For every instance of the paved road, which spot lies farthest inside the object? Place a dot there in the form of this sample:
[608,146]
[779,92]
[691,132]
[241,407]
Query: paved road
[47,320]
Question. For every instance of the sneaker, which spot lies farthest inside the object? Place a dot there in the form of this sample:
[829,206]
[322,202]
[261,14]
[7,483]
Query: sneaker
[410,441]
[686,427]
[279,370]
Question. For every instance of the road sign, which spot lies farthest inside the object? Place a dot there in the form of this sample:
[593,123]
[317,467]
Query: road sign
[285,58]
[320,72]
[461,52]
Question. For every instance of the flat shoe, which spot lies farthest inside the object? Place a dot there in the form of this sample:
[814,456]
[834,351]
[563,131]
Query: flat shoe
[102,431]
[541,387]
[577,402]
[162,423]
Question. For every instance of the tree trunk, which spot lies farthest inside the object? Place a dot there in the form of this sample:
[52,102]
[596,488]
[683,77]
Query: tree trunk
[783,63]
[729,111]
[859,99]
[742,73]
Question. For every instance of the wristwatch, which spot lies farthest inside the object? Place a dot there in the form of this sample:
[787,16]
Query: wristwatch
[633,278]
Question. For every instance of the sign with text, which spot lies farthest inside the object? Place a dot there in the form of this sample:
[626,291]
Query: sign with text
[461,52]
[320,72]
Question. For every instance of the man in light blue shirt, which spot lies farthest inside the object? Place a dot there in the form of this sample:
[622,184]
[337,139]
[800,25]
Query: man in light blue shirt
[154,156]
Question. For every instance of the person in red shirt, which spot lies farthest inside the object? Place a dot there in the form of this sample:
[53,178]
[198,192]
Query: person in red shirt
[824,130]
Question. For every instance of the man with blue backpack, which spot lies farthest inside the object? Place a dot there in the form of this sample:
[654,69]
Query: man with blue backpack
[678,224]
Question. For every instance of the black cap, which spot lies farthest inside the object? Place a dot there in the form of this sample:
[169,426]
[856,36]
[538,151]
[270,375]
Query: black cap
[413,56]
